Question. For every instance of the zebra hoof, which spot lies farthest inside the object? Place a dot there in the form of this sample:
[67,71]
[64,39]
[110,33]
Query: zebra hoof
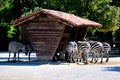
[106,60]
[68,61]
[95,62]
[91,61]
[86,63]
[101,62]
[73,61]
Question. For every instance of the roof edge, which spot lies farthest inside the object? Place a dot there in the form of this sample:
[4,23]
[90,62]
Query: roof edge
[21,19]
[54,14]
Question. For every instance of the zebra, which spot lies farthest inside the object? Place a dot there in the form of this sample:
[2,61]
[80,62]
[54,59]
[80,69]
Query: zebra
[96,50]
[15,47]
[72,50]
[83,50]
[106,49]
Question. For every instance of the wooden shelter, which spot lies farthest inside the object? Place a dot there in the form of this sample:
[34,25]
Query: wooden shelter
[49,30]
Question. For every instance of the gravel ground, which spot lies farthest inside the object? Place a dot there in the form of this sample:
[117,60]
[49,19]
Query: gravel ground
[25,70]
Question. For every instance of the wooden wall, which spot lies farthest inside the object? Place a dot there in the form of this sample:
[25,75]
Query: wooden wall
[45,34]
[48,35]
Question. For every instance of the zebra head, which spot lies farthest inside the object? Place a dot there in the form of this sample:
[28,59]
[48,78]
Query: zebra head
[24,49]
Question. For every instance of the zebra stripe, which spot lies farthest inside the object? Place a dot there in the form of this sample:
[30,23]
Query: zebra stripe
[106,49]
[83,50]
[72,50]
[96,48]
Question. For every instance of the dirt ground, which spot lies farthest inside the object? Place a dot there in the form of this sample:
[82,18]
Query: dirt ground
[33,70]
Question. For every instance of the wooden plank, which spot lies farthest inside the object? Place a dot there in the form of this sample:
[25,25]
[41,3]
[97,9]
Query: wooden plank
[42,40]
[44,35]
[43,53]
[40,49]
[44,49]
[43,23]
[44,28]
[40,28]
[43,32]
[53,26]
[41,19]
[39,42]
[48,43]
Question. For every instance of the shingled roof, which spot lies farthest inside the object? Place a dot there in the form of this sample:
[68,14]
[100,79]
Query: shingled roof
[70,19]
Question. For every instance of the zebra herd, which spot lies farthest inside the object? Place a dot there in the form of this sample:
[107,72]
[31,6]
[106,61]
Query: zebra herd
[15,47]
[79,50]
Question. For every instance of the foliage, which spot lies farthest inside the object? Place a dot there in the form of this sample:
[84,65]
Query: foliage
[5,11]
[31,11]
[115,3]
[105,12]
[96,10]
[109,19]
[5,18]
[7,30]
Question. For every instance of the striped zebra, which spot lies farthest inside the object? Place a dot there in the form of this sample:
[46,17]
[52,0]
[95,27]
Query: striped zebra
[96,50]
[15,47]
[106,50]
[72,50]
[83,50]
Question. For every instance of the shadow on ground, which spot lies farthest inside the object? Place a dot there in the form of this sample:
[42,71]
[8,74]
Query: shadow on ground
[114,68]
[24,60]
[22,63]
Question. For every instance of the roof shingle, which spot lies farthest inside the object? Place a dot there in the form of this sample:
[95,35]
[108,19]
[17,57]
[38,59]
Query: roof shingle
[63,16]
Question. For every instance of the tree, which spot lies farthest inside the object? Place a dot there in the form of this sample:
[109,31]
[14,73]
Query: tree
[6,15]
[115,3]
[97,10]
[105,12]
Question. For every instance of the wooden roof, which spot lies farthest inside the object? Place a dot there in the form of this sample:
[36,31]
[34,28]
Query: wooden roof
[70,19]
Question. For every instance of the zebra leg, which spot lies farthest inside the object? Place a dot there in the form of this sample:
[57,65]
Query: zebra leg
[18,56]
[9,56]
[107,59]
[93,56]
[78,58]
[14,57]
[68,59]
[29,55]
[96,58]
[101,55]
[81,56]
[73,58]
[85,58]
